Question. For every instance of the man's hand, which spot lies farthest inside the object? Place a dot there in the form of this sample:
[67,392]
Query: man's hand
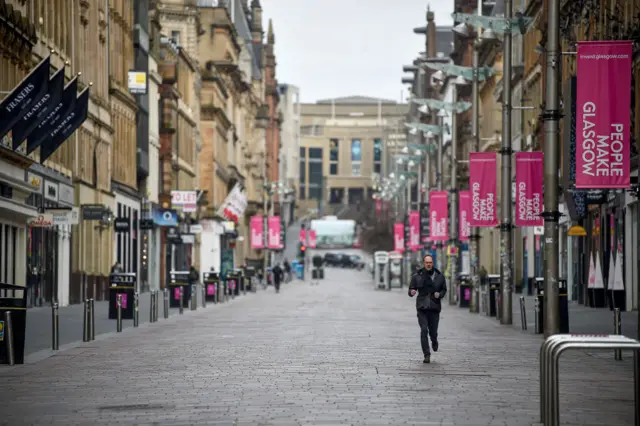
[413,292]
[437,295]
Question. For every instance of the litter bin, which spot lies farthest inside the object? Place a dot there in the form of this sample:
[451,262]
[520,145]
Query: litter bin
[233,282]
[300,271]
[318,272]
[179,279]
[249,273]
[494,288]
[13,298]
[211,282]
[465,290]
[122,283]
[563,305]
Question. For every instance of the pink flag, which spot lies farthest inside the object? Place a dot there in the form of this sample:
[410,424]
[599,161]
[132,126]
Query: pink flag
[529,176]
[414,230]
[398,236]
[274,232]
[483,185]
[439,215]
[312,238]
[257,232]
[464,205]
[602,108]
[302,236]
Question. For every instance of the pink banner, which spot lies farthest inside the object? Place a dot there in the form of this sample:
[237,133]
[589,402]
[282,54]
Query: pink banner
[483,185]
[439,216]
[378,206]
[257,232]
[302,236]
[414,231]
[312,238]
[602,109]
[464,213]
[398,236]
[274,232]
[529,179]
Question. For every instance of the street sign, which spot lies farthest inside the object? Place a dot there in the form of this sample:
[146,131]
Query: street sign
[93,211]
[122,224]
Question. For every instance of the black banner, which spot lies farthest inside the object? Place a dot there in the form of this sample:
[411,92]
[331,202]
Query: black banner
[424,223]
[66,127]
[39,110]
[53,117]
[32,88]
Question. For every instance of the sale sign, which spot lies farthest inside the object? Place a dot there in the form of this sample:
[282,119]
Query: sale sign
[483,186]
[398,236]
[439,215]
[257,232]
[602,114]
[464,207]
[529,178]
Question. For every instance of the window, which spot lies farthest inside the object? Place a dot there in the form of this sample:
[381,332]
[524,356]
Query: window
[315,173]
[377,156]
[334,156]
[303,192]
[175,36]
[356,157]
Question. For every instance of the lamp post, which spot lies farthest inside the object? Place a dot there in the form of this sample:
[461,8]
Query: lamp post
[504,26]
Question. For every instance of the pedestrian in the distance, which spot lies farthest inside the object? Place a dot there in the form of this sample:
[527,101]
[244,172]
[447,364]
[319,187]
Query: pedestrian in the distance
[431,287]
[277,277]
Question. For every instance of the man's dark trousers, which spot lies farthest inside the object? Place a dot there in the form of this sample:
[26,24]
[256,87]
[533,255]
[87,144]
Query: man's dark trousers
[428,321]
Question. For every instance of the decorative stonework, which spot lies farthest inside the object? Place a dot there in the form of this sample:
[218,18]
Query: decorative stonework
[84,12]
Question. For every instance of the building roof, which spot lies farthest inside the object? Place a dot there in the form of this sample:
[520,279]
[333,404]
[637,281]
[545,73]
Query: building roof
[357,100]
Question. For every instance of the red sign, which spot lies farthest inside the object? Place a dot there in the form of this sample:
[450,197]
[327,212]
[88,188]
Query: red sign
[529,197]
[603,138]
[483,186]
[464,213]
[398,236]
[439,216]
[414,231]
[274,232]
[257,232]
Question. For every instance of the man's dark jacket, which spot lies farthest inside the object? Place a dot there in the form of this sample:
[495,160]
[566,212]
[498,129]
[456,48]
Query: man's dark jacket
[426,283]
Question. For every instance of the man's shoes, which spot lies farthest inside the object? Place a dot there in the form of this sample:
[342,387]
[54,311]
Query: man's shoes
[434,346]
[427,359]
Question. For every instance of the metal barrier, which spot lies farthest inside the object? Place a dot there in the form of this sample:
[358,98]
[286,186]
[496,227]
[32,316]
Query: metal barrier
[550,352]
[55,327]
[617,329]
[523,313]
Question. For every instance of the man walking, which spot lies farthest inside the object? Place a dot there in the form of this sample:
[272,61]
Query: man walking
[277,277]
[431,287]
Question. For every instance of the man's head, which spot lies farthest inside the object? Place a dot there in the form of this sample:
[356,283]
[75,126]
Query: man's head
[427,260]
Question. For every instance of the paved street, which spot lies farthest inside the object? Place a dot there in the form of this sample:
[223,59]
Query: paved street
[338,353]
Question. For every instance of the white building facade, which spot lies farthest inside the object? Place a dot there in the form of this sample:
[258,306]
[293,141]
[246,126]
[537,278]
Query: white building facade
[289,107]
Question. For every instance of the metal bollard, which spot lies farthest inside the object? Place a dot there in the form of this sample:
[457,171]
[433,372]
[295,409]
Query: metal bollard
[92,319]
[523,313]
[617,329]
[203,294]
[165,297]
[156,309]
[194,297]
[152,301]
[8,324]
[85,321]
[119,317]
[217,295]
[498,310]
[536,310]
[136,309]
[181,300]
[55,327]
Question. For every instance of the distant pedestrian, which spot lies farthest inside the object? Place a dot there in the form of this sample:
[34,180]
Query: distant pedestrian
[431,287]
[277,277]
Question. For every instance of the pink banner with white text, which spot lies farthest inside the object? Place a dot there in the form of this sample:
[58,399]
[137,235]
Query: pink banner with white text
[483,169]
[438,216]
[274,232]
[257,232]
[414,231]
[529,197]
[464,207]
[302,236]
[312,238]
[398,237]
[603,98]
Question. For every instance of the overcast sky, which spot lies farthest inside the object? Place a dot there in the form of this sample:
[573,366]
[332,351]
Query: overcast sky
[335,48]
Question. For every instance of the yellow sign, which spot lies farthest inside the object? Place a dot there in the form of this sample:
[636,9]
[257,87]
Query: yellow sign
[1,331]
[577,231]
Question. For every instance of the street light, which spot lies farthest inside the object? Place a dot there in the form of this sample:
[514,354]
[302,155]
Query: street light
[442,113]
[460,81]
[462,29]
